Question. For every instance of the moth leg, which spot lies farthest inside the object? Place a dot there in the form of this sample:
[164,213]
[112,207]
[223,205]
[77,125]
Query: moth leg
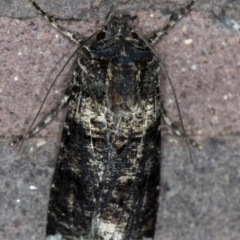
[72,36]
[45,122]
[176,130]
[175,17]
[49,118]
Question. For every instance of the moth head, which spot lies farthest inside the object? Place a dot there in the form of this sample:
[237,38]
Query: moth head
[117,27]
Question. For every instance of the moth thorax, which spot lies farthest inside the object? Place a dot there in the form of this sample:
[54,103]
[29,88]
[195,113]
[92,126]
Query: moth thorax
[122,84]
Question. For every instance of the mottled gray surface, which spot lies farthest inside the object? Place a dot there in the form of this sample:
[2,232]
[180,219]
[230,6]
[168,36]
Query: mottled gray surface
[198,202]
[99,9]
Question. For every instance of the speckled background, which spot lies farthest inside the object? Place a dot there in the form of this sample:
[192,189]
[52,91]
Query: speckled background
[202,55]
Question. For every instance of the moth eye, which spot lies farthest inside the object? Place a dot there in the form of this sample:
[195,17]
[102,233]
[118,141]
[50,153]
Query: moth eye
[134,35]
[101,36]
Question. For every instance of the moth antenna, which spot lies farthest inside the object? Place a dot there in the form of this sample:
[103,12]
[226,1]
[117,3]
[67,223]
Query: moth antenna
[45,98]
[175,98]
[178,109]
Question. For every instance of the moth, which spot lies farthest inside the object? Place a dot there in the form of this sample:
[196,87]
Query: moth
[107,177]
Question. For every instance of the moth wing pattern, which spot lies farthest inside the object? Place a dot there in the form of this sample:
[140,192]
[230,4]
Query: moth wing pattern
[107,176]
[106,181]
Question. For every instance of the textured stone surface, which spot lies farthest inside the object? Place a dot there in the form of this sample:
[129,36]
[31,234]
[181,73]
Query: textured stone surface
[202,57]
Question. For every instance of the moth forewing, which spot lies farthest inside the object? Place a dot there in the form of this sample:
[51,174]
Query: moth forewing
[107,176]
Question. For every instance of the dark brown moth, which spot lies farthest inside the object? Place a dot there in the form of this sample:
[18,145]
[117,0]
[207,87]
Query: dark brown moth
[107,176]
